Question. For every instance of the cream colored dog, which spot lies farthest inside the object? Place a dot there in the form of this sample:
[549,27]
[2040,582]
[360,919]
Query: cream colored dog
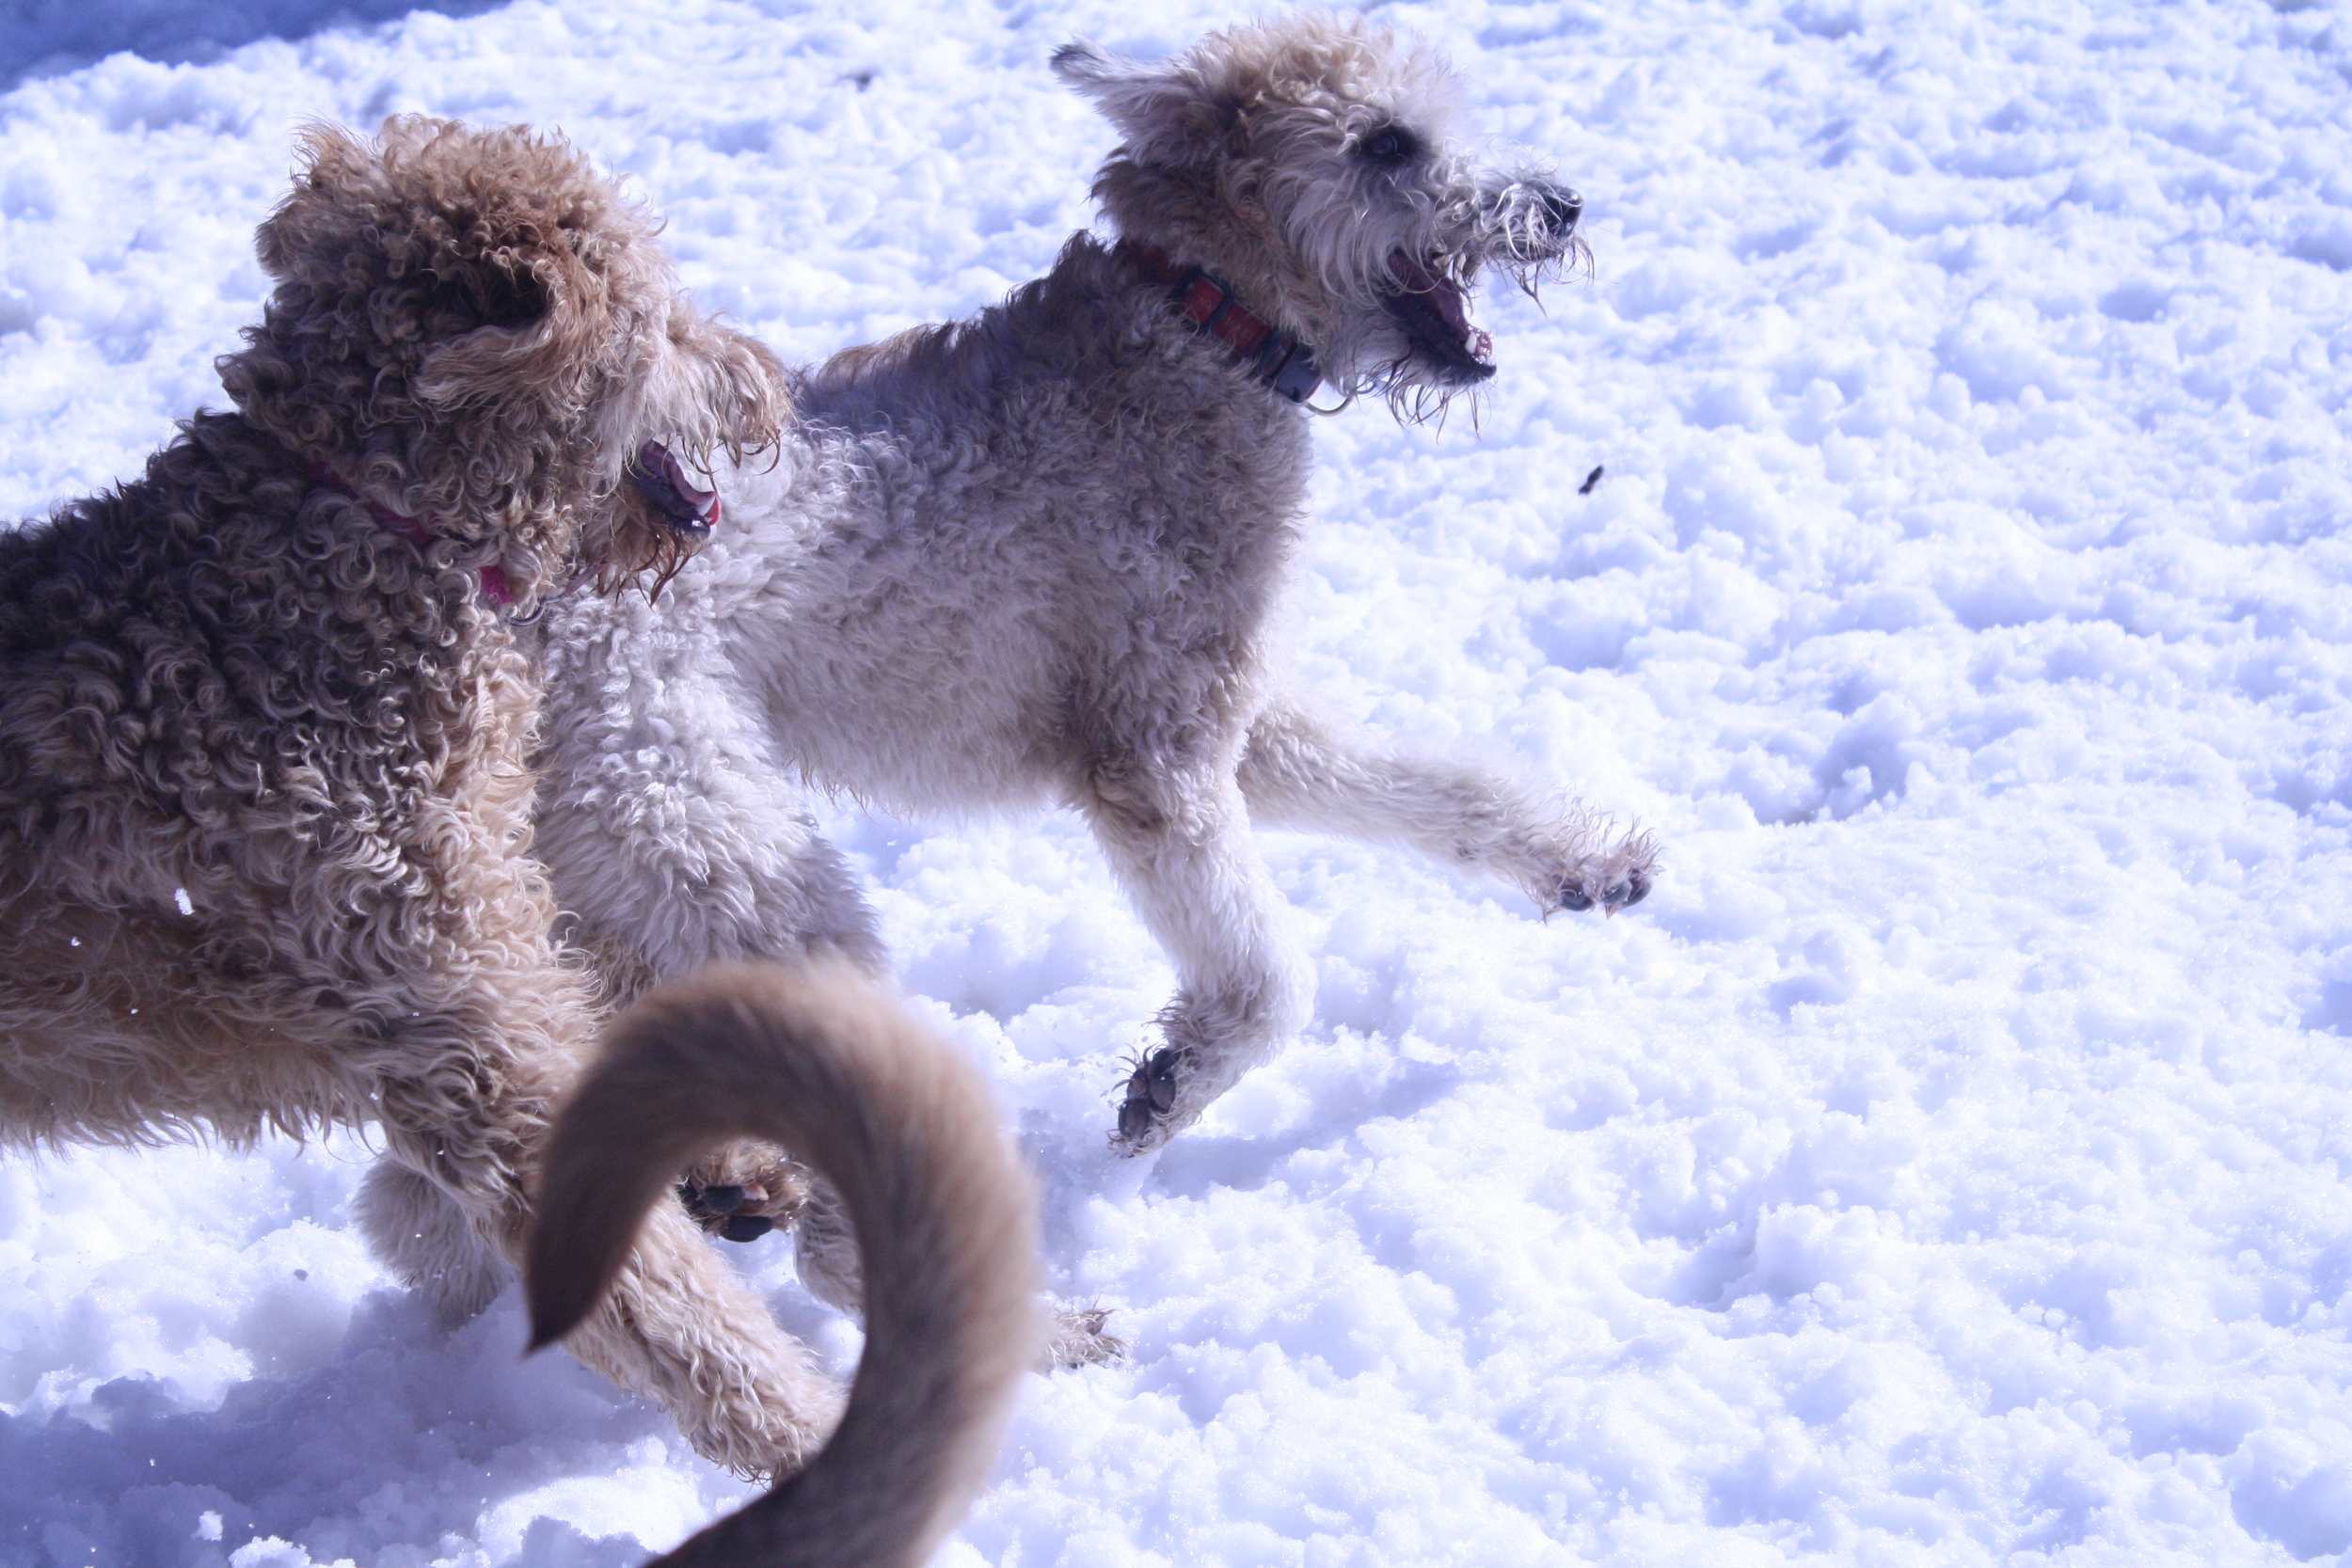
[1032,558]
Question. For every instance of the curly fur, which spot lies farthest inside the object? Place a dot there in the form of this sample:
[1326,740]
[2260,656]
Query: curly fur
[1034,557]
[263,802]
[477,330]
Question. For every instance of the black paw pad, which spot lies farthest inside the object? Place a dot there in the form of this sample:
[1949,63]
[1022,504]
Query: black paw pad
[746,1228]
[1151,1093]
[1156,1078]
[720,1200]
[708,1204]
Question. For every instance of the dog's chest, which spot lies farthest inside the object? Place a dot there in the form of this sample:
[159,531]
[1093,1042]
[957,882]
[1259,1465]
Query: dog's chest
[1196,517]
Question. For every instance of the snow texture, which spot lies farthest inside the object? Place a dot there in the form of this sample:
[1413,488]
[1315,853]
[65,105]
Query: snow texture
[1946,1166]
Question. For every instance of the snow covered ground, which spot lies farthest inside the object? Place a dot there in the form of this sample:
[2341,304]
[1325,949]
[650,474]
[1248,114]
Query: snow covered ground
[1948,1165]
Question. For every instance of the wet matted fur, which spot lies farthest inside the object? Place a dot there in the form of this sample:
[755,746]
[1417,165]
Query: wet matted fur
[822,1059]
[263,725]
[1034,557]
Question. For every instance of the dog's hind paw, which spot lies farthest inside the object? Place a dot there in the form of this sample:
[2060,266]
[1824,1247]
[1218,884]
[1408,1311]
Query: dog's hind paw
[1617,893]
[1077,1340]
[744,1191]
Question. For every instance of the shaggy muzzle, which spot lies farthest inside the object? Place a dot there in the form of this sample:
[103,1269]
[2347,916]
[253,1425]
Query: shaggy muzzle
[1526,229]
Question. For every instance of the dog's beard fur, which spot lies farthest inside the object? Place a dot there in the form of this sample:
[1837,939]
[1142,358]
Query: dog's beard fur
[699,390]
[1323,167]
[1512,245]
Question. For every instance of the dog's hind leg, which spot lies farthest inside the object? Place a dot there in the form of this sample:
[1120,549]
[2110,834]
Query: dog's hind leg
[1302,772]
[428,1240]
[1198,882]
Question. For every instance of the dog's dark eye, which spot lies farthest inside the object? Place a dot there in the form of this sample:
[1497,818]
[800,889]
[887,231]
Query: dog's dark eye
[1392,145]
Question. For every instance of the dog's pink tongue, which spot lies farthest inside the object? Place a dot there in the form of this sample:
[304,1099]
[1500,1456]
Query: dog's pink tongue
[663,481]
[1448,301]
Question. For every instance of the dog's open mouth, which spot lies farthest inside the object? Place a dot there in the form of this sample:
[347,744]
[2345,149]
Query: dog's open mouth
[659,479]
[1437,323]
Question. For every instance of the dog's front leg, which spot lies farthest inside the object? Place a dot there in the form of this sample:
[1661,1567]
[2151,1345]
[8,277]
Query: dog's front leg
[1185,857]
[1302,772]
[464,1105]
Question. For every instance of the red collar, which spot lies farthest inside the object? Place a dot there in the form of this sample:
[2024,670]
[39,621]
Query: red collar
[1277,359]
[495,587]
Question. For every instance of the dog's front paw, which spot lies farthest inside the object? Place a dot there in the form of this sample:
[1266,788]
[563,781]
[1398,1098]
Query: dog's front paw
[1617,879]
[1148,1116]
[728,1210]
[745,1191]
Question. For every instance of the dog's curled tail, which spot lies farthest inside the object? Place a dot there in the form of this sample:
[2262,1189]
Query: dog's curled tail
[822,1061]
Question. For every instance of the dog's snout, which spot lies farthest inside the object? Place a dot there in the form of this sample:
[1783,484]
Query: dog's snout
[1564,207]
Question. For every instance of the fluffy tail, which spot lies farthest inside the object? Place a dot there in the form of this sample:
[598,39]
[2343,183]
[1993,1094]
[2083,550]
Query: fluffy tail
[820,1060]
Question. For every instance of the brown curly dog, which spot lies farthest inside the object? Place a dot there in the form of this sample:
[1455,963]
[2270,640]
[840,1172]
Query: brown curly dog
[263,808]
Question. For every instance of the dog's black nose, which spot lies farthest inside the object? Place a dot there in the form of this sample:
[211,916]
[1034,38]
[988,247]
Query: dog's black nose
[1564,207]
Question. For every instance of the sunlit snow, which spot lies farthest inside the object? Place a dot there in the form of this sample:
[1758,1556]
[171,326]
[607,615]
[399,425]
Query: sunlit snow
[1946,1166]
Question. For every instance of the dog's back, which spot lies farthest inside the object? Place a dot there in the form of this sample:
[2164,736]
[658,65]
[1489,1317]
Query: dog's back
[999,530]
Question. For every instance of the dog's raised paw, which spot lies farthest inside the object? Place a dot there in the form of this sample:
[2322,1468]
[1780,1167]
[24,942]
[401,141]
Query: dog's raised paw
[1145,1114]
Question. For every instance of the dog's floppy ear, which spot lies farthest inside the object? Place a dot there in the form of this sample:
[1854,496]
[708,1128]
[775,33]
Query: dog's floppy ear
[1154,106]
[544,311]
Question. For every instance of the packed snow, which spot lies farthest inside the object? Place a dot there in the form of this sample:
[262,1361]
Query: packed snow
[1948,1165]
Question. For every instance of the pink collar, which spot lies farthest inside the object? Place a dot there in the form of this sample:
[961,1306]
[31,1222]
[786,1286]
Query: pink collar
[495,587]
